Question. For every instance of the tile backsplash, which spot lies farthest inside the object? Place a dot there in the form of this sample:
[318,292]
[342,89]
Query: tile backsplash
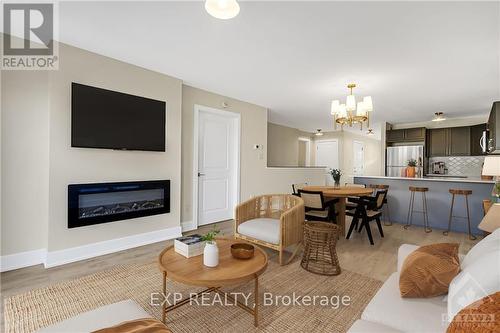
[469,166]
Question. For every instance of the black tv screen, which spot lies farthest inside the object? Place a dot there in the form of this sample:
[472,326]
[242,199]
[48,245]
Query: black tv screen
[103,118]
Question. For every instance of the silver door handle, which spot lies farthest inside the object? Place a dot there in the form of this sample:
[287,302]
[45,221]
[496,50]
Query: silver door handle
[200,174]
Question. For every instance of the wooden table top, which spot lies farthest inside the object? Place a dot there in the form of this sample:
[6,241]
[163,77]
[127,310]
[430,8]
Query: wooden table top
[338,192]
[229,271]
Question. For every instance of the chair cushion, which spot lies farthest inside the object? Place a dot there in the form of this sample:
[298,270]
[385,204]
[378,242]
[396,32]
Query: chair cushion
[428,271]
[405,314]
[318,213]
[102,317]
[263,229]
[363,326]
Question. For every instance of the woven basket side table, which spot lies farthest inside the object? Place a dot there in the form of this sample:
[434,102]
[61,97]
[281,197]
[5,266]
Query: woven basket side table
[320,255]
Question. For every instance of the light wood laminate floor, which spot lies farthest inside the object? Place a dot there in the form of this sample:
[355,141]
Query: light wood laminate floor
[356,255]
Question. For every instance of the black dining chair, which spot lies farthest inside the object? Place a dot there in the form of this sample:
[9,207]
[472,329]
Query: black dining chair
[317,208]
[367,210]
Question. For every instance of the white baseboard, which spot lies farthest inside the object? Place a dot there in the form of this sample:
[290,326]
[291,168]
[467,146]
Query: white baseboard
[23,259]
[188,226]
[61,257]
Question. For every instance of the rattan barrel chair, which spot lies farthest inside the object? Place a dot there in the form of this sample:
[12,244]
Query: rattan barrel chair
[275,221]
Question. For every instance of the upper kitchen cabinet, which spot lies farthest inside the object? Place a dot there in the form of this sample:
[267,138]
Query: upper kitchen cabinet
[478,140]
[438,142]
[406,135]
[459,141]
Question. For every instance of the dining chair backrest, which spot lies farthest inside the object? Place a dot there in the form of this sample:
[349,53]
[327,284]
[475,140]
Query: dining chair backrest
[379,198]
[312,199]
[298,186]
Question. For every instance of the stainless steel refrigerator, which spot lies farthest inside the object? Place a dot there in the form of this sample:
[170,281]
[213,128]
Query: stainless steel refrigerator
[398,157]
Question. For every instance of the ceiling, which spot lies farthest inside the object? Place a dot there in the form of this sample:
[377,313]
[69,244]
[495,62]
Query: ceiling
[295,57]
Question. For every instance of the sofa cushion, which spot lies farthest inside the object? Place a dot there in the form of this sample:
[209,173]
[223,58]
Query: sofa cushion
[476,280]
[102,317]
[482,316]
[489,244]
[428,271]
[363,326]
[264,229]
[405,314]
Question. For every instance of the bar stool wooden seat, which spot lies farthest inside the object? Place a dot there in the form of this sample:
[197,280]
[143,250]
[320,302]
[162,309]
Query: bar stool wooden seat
[409,219]
[466,194]
[385,211]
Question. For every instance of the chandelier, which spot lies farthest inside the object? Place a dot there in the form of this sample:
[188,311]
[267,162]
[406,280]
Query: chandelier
[351,112]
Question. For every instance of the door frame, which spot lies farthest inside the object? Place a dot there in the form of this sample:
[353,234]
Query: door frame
[196,128]
[308,150]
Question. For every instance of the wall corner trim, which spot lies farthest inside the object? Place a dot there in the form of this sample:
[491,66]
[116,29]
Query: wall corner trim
[22,259]
[61,257]
[188,226]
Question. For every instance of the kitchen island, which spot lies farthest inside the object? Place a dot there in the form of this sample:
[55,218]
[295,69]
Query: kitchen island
[438,200]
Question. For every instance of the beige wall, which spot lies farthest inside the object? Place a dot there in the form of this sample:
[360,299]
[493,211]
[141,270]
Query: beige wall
[256,177]
[25,161]
[283,145]
[81,165]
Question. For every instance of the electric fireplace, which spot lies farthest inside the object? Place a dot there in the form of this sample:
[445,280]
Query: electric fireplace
[90,204]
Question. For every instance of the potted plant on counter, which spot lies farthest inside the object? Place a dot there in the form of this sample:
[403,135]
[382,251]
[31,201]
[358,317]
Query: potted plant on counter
[211,251]
[410,170]
[336,174]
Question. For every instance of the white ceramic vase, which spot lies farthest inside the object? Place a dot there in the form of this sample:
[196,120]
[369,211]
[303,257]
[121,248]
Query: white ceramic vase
[211,254]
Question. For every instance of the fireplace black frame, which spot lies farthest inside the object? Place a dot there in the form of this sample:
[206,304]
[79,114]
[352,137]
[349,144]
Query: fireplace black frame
[75,190]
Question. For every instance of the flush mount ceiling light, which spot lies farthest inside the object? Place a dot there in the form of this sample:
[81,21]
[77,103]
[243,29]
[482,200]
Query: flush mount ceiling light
[222,9]
[370,132]
[318,132]
[438,116]
[351,112]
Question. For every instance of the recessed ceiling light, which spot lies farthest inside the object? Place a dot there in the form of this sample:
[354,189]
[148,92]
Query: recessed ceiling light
[438,116]
[222,9]
[318,132]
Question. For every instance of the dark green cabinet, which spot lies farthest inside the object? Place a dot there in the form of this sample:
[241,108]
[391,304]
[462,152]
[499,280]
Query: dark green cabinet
[459,141]
[406,135]
[477,140]
[438,142]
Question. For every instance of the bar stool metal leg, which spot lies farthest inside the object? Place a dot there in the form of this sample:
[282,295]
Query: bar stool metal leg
[409,218]
[427,227]
[451,215]
[471,236]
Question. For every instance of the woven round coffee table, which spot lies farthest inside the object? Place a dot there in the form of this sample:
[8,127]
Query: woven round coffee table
[320,255]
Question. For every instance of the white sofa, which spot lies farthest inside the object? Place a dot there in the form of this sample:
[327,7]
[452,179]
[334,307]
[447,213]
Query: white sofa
[388,312]
[102,317]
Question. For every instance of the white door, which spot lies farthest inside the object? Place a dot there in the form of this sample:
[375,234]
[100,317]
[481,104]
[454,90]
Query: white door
[327,155]
[358,158]
[217,166]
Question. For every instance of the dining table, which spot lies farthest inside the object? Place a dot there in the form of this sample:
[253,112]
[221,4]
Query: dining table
[341,193]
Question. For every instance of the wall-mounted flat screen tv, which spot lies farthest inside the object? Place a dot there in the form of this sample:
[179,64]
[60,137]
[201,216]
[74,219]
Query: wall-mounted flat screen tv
[103,118]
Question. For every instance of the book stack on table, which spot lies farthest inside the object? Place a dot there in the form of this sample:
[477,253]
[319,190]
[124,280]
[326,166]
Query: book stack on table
[189,246]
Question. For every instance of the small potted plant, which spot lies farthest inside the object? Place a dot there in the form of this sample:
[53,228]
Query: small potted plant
[336,174]
[211,251]
[410,170]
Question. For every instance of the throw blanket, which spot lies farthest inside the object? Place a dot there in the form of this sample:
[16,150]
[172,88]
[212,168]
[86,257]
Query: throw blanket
[144,325]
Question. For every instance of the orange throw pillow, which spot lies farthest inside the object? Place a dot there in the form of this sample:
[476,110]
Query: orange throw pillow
[143,325]
[428,271]
[482,316]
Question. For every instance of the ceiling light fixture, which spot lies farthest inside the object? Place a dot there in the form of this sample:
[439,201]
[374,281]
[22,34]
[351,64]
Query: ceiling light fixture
[222,9]
[318,132]
[351,112]
[370,132]
[438,116]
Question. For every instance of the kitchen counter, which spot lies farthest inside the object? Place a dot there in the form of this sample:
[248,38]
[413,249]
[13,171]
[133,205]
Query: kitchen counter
[438,178]
[438,200]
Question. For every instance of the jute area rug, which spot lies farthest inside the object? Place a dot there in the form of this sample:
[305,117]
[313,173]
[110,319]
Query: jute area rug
[32,310]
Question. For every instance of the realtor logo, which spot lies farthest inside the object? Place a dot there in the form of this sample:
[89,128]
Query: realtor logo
[28,41]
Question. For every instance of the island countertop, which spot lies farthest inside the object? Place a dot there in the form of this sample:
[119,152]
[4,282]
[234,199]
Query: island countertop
[438,200]
[435,179]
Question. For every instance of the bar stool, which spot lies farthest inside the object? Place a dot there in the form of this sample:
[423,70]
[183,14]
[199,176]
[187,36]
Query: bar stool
[409,218]
[386,203]
[466,194]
